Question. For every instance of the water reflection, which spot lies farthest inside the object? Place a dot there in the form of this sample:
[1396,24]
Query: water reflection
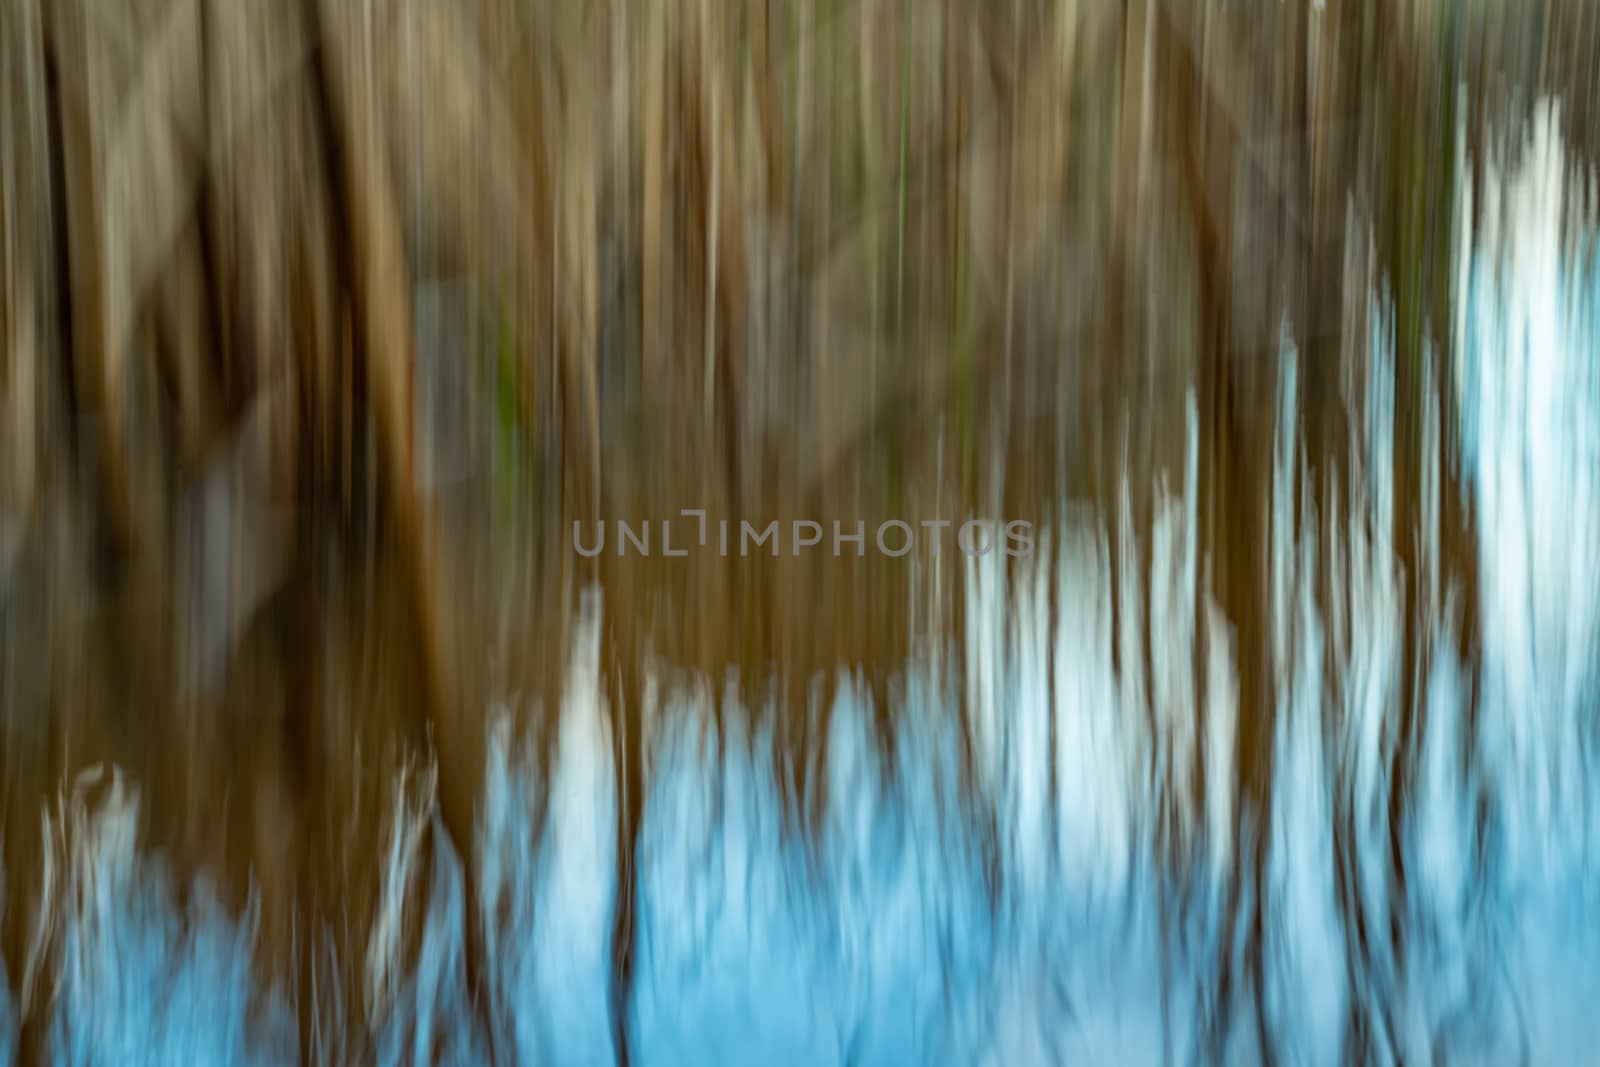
[1047,858]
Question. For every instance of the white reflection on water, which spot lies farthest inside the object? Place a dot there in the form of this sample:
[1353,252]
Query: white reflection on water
[1033,913]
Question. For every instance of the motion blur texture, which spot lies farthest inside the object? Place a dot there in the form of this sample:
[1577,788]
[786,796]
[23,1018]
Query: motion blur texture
[322,320]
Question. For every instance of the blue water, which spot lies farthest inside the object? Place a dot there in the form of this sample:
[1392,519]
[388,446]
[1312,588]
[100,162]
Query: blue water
[1079,897]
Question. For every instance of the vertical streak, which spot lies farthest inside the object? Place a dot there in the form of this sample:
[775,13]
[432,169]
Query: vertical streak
[900,227]
[712,226]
